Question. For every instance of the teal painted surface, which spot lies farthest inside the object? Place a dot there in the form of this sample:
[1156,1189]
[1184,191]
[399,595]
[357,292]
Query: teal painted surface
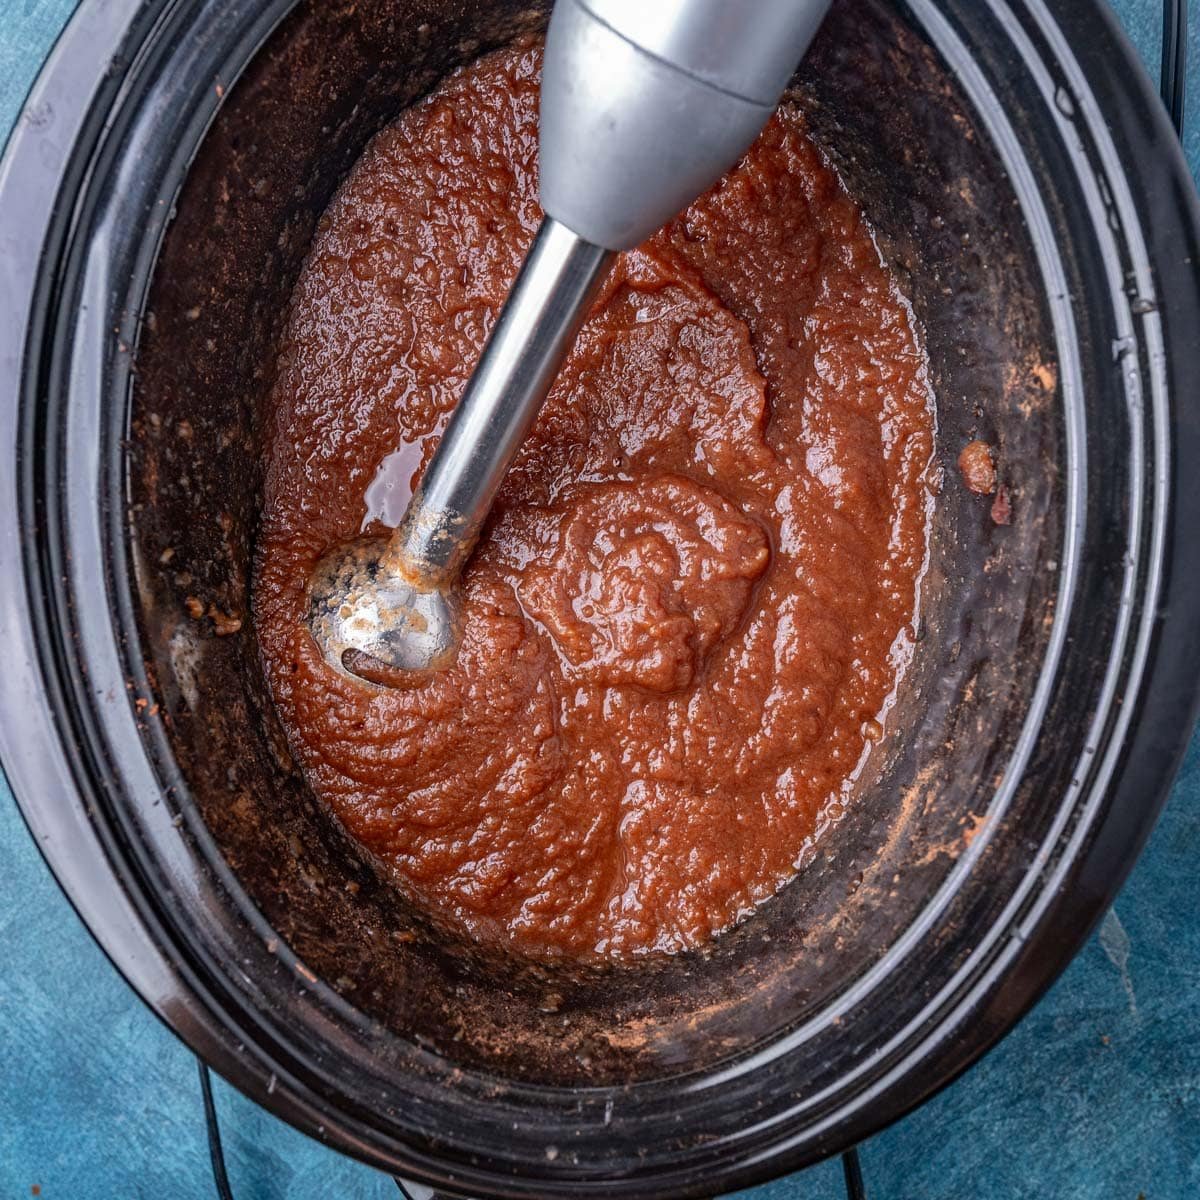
[1095,1096]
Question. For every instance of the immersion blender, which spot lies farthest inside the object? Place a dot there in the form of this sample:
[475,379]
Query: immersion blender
[644,105]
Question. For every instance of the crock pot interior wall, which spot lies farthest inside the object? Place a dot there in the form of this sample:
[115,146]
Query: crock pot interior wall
[287,134]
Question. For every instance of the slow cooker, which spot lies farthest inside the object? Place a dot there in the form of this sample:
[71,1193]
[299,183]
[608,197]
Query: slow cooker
[157,200]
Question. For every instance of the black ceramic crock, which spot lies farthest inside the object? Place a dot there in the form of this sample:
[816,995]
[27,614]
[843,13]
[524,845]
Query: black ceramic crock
[155,202]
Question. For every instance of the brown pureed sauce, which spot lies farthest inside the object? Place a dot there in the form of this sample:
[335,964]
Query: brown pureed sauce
[694,599]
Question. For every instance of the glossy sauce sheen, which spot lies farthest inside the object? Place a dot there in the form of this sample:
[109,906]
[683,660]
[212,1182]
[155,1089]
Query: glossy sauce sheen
[693,602]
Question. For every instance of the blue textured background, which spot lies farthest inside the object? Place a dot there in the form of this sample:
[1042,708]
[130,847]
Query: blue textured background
[1095,1096]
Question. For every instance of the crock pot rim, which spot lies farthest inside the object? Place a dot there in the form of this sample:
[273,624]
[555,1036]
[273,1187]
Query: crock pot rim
[39,760]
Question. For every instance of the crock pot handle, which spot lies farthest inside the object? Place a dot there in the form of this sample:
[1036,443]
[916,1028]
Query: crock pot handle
[646,103]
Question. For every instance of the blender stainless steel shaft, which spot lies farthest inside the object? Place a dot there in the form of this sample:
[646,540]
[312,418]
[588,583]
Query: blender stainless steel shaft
[643,107]
[394,603]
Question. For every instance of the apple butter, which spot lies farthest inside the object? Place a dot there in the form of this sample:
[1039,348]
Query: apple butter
[694,600]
